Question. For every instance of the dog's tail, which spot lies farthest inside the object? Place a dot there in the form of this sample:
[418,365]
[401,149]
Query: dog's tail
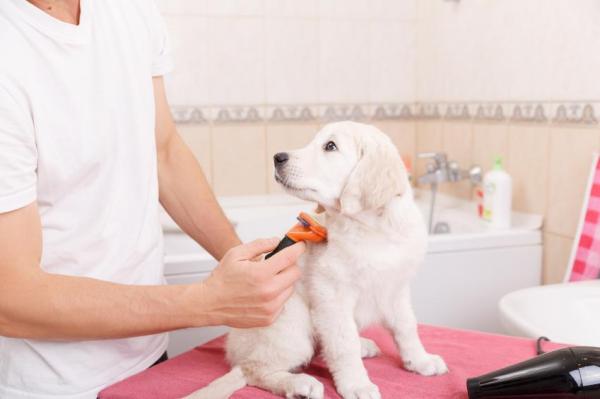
[223,387]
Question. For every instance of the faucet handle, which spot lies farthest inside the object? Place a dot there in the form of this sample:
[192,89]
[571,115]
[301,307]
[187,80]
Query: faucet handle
[440,158]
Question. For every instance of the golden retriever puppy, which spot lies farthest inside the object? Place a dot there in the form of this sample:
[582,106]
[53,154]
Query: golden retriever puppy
[361,276]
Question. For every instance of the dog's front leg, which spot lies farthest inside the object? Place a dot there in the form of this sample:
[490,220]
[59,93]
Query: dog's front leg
[401,320]
[334,323]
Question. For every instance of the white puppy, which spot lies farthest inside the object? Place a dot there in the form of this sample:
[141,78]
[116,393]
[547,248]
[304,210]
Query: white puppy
[376,241]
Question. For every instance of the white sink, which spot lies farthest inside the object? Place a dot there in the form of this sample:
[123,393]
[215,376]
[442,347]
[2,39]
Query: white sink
[568,313]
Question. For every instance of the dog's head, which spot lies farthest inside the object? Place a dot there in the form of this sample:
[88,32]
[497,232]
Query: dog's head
[348,166]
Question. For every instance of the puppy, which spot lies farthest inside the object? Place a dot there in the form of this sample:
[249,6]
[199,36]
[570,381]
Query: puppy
[361,276]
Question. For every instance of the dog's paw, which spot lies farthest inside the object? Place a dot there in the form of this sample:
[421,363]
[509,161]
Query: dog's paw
[303,386]
[368,348]
[368,391]
[427,365]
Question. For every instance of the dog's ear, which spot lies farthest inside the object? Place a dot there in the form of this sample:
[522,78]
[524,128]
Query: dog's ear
[378,176]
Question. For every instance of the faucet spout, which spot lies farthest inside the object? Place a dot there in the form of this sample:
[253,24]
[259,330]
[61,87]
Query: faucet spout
[441,170]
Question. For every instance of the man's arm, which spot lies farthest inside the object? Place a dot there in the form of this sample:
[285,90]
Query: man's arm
[184,191]
[39,305]
[34,304]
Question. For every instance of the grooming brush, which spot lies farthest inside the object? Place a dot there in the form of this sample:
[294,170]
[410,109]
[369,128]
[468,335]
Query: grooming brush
[307,229]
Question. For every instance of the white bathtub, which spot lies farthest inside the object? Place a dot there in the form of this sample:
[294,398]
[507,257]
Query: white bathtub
[464,275]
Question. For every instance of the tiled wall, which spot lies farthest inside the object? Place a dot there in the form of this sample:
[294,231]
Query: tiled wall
[255,52]
[238,157]
[508,50]
[372,51]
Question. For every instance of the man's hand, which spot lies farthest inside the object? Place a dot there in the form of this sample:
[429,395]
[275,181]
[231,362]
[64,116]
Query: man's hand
[242,292]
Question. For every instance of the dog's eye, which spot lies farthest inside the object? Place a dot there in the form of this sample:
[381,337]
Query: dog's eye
[330,146]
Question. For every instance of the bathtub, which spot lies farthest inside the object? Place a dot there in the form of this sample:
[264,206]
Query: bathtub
[464,275]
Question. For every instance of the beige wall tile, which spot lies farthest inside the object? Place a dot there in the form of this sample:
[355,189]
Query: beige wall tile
[457,142]
[404,136]
[197,137]
[429,138]
[239,159]
[528,155]
[557,251]
[568,169]
[285,137]
[490,141]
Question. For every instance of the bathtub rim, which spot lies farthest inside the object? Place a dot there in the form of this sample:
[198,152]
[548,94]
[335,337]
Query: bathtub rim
[200,261]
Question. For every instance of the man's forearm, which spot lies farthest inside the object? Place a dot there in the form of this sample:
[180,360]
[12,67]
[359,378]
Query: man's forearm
[85,308]
[184,191]
[189,200]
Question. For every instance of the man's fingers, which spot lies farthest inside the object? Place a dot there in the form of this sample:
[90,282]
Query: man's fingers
[284,258]
[254,248]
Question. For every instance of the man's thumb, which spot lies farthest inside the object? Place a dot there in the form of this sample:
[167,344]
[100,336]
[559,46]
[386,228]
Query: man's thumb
[257,247]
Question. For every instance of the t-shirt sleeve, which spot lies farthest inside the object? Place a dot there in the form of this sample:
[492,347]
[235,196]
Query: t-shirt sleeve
[162,60]
[18,155]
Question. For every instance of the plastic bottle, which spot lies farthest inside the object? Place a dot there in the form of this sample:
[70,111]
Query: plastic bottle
[497,196]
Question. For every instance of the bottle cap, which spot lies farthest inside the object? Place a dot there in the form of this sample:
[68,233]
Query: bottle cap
[498,163]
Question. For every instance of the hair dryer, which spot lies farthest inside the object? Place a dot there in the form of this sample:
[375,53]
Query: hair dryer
[562,374]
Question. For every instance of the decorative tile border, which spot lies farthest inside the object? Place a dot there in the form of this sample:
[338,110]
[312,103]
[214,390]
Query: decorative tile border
[394,111]
[576,113]
[341,112]
[490,112]
[292,113]
[529,113]
[567,112]
[189,114]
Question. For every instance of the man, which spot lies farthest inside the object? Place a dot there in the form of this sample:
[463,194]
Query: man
[87,150]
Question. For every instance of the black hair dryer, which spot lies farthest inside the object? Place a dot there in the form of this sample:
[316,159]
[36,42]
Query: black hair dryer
[562,374]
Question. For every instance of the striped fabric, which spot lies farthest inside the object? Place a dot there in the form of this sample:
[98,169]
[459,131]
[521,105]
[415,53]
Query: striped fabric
[585,260]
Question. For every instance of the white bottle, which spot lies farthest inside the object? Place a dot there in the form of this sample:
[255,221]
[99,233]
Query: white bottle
[497,196]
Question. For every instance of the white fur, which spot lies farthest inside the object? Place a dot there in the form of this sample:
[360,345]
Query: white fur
[376,241]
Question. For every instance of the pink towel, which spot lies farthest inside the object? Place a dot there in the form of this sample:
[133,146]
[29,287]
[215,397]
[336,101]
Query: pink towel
[467,353]
[585,262]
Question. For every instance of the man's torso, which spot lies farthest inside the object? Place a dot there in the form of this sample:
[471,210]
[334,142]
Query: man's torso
[87,90]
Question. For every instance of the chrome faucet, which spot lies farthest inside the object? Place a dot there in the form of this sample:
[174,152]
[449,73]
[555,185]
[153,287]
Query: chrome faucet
[440,170]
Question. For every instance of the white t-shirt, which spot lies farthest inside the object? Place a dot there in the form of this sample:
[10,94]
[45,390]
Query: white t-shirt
[77,136]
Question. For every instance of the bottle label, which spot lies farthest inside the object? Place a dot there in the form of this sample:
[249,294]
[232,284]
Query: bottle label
[487,214]
[488,200]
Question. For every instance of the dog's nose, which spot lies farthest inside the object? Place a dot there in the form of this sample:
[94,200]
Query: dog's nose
[280,158]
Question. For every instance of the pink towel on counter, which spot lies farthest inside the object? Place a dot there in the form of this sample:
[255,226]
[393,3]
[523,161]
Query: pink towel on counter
[467,353]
